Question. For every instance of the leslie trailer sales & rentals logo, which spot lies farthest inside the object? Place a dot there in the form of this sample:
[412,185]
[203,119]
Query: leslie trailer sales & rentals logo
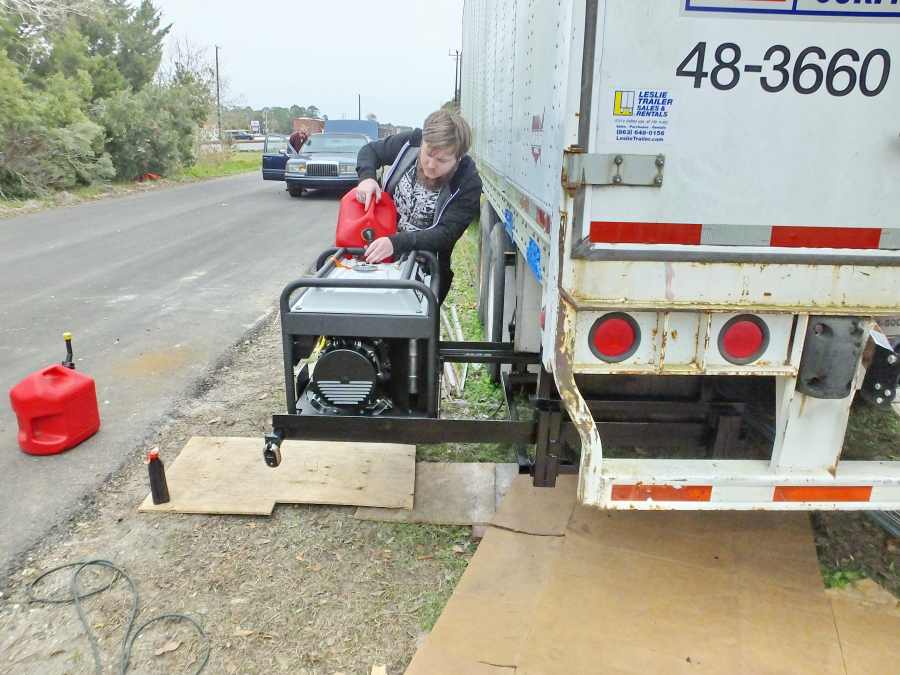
[641,115]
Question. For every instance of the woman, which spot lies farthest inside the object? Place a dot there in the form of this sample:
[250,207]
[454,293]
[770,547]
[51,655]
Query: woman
[296,141]
[434,184]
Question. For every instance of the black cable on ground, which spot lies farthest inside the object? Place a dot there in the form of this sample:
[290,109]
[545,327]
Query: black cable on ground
[496,410]
[76,595]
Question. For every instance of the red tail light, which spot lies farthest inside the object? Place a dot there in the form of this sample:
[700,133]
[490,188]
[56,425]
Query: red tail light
[743,339]
[614,337]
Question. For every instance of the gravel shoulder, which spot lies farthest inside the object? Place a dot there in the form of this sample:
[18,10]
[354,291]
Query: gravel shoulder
[210,166]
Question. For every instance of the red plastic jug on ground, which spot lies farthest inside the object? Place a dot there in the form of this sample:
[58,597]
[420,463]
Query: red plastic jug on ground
[56,407]
[355,224]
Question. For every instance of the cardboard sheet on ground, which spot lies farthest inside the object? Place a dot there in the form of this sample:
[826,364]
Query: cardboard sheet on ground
[449,493]
[559,588]
[867,618]
[227,475]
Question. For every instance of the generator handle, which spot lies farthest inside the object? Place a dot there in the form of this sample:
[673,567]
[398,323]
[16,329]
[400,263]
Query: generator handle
[432,266]
[330,254]
[407,271]
[323,268]
[414,256]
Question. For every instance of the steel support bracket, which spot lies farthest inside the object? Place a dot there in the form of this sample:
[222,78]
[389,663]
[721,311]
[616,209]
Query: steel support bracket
[617,169]
[882,377]
[549,448]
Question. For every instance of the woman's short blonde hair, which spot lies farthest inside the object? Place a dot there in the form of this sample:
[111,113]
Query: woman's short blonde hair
[447,130]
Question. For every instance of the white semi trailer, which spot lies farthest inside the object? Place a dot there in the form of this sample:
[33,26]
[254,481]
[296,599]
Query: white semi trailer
[689,201]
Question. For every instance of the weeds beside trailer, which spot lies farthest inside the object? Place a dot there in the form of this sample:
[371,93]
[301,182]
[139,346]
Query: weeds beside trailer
[696,193]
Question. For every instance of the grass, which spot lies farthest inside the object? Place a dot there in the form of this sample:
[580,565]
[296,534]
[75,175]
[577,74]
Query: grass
[872,434]
[207,166]
[481,398]
[218,165]
[465,452]
[841,578]
[450,547]
[464,290]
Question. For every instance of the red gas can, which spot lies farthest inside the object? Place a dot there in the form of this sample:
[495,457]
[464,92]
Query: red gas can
[353,220]
[56,408]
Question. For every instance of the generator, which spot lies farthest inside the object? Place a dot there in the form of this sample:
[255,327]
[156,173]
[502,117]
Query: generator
[372,330]
[363,356]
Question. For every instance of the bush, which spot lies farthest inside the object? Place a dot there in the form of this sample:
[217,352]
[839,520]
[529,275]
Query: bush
[79,103]
[151,131]
[38,159]
[47,142]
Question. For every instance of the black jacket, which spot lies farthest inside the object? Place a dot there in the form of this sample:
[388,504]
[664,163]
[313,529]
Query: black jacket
[457,204]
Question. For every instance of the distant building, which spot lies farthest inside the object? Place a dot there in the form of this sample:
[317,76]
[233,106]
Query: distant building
[385,130]
[310,125]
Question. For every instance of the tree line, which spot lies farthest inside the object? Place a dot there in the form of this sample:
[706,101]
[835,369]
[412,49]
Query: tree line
[279,120]
[83,98]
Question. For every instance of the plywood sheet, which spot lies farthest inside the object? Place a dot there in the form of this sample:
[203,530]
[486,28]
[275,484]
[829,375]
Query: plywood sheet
[451,493]
[227,475]
[684,592]
[446,494]
[540,511]
[489,614]
[504,475]
[868,622]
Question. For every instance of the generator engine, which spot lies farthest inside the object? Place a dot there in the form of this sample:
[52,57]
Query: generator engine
[350,374]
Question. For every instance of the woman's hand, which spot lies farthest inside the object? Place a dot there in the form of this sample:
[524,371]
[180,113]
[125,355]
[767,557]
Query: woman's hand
[366,190]
[379,249]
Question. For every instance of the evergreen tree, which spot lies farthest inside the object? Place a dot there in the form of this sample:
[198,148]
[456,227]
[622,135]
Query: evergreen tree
[140,41]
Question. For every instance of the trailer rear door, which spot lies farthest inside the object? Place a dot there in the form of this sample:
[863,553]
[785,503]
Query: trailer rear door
[776,122]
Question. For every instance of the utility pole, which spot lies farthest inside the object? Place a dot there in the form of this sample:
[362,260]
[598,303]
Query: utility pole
[359,106]
[459,87]
[455,55]
[218,97]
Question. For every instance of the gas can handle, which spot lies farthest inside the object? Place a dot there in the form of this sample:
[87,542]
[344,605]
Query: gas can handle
[69,361]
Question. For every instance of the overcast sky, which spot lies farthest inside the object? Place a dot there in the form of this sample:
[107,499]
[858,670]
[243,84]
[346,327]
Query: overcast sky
[324,52]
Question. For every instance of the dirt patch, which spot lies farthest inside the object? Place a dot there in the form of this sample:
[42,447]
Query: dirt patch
[872,433]
[851,546]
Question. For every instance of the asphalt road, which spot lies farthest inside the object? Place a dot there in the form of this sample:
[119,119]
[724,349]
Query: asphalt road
[154,287]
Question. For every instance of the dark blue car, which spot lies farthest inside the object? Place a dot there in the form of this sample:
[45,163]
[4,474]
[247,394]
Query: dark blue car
[275,156]
[326,161]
